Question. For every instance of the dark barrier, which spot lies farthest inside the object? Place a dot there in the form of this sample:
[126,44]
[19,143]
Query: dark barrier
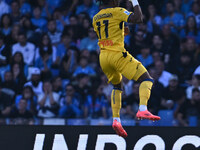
[97,138]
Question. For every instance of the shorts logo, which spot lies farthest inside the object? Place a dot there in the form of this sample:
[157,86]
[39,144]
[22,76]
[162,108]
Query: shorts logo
[126,12]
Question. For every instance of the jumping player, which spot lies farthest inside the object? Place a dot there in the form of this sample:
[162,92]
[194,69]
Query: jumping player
[115,61]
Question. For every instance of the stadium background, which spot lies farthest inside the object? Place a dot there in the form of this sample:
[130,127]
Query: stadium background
[50,72]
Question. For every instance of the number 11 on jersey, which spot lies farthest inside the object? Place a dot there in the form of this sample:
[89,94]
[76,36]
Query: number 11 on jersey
[105,22]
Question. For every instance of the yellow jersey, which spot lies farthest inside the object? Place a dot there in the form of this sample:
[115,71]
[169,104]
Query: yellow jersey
[108,23]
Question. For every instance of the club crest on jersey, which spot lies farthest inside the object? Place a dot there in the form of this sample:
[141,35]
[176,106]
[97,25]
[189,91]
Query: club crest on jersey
[127,12]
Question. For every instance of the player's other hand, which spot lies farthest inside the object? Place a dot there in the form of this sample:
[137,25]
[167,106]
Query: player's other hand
[126,31]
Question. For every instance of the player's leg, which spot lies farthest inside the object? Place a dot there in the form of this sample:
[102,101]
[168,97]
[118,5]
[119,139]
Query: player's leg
[146,83]
[133,70]
[116,107]
[116,101]
[115,78]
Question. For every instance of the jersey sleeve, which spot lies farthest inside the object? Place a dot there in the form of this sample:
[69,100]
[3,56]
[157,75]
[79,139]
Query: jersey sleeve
[123,14]
[93,24]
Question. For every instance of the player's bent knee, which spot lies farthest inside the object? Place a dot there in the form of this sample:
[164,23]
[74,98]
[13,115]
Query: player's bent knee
[118,86]
[145,77]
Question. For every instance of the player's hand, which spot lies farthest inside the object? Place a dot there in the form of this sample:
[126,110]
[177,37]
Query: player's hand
[126,31]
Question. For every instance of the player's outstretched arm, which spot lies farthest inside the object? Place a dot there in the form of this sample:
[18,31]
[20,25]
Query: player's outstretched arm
[137,17]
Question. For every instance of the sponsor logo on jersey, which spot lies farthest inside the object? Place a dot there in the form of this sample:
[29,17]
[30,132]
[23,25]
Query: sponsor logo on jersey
[127,12]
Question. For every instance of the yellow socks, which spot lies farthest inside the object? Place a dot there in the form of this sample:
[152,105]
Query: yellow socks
[116,102]
[145,91]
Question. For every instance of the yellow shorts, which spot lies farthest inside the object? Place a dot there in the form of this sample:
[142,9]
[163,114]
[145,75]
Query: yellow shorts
[114,65]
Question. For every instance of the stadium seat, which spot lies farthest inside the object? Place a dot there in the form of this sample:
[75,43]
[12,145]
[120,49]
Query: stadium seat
[147,123]
[167,117]
[128,122]
[54,121]
[80,122]
[192,121]
[96,122]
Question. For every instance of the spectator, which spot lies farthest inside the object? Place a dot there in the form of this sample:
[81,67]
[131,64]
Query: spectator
[83,86]
[5,52]
[195,11]
[157,92]
[145,57]
[163,75]
[130,104]
[35,82]
[48,102]
[189,108]
[26,48]
[30,98]
[74,29]
[60,22]
[191,30]
[154,20]
[54,4]
[15,12]
[128,87]
[195,84]
[185,68]
[157,46]
[96,105]
[147,35]
[45,48]
[177,5]
[29,29]
[68,63]
[57,85]
[13,39]
[37,19]
[5,104]
[171,44]
[18,77]
[54,35]
[62,48]
[186,6]
[137,41]
[83,68]
[172,93]
[46,10]
[25,8]
[46,56]
[17,58]
[6,24]
[107,88]
[90,42]
[190,46]
[70,105]
[194,105]
[87,6]
[21,111]
[86,25]
[174,19]
[181,112]
[94,61]
[4,8]
[9,84]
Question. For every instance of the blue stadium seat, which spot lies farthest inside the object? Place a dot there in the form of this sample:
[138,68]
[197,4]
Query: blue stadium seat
[128,122]
[79,122]
[97,122]
[167,117]
[192,121]
[147,123]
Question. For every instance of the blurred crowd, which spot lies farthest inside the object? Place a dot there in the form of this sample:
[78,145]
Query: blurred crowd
[49,59]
